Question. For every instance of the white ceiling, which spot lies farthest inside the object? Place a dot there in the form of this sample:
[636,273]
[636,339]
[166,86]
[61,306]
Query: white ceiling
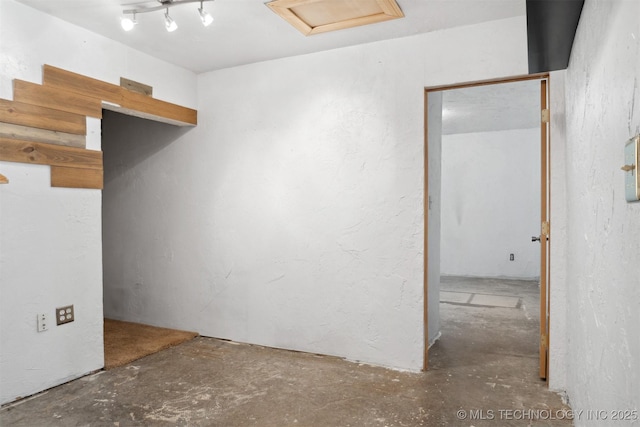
[247,31]
[491,108]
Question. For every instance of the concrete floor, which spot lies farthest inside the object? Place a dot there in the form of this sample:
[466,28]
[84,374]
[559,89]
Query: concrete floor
[483,372]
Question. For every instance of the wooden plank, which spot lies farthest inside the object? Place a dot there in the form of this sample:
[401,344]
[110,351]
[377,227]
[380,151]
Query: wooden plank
[79,84]
[43,118]
[144,104]
[355,22]
[390,7]
[291,18]
[147,116]
[136,86]
[76,177]
[88,87]
[56,98]
[15,150]
[26,133]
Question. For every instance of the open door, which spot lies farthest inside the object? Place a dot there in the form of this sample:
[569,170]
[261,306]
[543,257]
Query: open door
[544,231]
[543,238]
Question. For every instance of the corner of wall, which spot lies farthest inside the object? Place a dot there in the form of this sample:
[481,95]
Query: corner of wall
[433,204]
[558,360]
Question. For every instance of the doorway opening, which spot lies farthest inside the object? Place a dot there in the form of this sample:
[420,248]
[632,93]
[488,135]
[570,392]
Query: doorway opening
[486,193]
[134,151]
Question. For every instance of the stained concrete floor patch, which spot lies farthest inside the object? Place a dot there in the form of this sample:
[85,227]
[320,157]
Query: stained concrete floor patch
[495,300]
[486,360]
[457,297]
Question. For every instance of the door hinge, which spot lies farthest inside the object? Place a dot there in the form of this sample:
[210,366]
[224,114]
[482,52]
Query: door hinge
[544,230]
[543,341]
[545,115]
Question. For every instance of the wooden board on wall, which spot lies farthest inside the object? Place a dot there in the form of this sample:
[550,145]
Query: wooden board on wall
[76,177]
[56,98]
[42,118]
[46,124]
[82,85]
[121,96]
[27,133]
[15,150]
[134,86]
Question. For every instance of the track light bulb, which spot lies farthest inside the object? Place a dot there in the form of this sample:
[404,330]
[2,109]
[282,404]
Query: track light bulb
[128,23]
[206,18]
[169,23]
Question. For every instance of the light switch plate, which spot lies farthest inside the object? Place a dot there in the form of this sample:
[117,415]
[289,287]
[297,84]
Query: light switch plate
[631,178]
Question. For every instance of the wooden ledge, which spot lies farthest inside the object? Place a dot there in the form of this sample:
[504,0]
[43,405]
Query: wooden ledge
[118,98]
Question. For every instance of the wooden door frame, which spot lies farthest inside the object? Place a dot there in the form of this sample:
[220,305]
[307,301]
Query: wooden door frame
[427,90]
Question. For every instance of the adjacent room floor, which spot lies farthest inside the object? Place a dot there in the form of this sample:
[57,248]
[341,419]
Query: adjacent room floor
[483,372]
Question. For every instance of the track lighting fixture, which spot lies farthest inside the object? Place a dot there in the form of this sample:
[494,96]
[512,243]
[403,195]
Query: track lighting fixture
[206,18]
[169,23]
[128,23]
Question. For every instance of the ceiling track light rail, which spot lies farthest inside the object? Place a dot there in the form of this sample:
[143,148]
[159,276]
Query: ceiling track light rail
[128,23]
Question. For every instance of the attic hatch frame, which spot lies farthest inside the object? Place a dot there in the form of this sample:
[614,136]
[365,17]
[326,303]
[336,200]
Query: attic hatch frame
[46,124]
[320,16]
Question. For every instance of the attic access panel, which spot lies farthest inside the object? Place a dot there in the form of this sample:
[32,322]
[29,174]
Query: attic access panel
[319,16]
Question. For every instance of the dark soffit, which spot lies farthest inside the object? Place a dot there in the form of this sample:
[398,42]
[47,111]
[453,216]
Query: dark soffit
[551,28]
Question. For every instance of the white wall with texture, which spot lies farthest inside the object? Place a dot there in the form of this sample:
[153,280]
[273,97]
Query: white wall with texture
[603,231]
[51,238]
[292,216]
[491,204]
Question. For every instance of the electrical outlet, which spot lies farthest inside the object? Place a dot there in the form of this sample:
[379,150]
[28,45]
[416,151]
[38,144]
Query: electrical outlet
[64,315]
[42,321]
[512,257]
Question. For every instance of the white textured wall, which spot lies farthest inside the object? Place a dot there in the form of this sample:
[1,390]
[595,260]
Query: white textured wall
[292,216]
[558,360]
[491,204]
[50,238]
[603,231]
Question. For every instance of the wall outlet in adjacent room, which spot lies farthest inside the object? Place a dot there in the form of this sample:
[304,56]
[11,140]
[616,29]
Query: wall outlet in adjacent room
[43,322]
[64,315]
